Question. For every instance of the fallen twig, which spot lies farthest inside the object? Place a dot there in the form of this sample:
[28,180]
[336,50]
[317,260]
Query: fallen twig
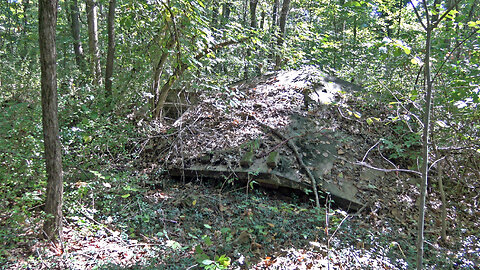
[366,154]
[385,170]
[281,143]
[364,164]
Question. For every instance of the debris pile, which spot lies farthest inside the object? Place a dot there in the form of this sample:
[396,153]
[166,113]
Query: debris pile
[274,130]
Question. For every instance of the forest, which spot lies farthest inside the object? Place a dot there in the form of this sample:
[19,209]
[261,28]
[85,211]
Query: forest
[239,134]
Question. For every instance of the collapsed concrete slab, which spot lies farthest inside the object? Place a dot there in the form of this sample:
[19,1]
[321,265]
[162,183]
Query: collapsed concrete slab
[255,162]
[241,141]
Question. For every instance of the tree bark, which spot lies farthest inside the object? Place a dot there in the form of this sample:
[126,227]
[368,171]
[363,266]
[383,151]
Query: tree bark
[262,20]
[157,74]
[432,21]
[253,24]
[274,16]
[93,41]
[77,44]
[253,13]
[47,18]
[281,34]
[426,131]
[110,52]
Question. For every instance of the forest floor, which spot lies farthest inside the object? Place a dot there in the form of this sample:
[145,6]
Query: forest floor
[143,219]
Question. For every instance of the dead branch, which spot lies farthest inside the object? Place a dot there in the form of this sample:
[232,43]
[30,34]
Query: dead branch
[384,170]
[280,144]
[299,159]
[370,149]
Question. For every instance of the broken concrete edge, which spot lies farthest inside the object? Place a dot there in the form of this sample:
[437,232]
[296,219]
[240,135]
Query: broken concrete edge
[247,159]
[272,159]
[268,179]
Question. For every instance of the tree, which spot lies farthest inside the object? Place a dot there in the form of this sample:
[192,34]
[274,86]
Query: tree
[281,34]
[110,51]
[431,22]
[47,18]
[274,16]
[253,25]
[77,44]
[253,13]
[93,41]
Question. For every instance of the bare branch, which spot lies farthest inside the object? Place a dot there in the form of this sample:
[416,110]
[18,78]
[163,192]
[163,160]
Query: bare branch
[418,16]
[366,154]
[385,170]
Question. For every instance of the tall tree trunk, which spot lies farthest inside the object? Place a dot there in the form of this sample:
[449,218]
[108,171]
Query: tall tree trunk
[110,52]
[225,18]
[426,131]
[274,16]
[253,13]
[432,20]
[281,34]
[77,44]
[262,20]
[253,24]
[47,17]
[93,42]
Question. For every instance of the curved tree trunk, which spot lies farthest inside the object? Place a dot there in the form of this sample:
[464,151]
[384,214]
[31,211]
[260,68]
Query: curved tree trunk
[214,21]
[225,13]
[157,74]
[47,17]
[177,74]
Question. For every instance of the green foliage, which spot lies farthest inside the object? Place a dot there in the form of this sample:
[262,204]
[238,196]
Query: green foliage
[403,144]
[22,170]
[378,44]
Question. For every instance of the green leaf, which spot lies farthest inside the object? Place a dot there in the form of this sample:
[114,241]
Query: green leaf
[126,195]
[207,240]
[87,138]
[173,244]
[224,261]
[473,24]
[198,249]
[352,4]
[207,226]
[207,262]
